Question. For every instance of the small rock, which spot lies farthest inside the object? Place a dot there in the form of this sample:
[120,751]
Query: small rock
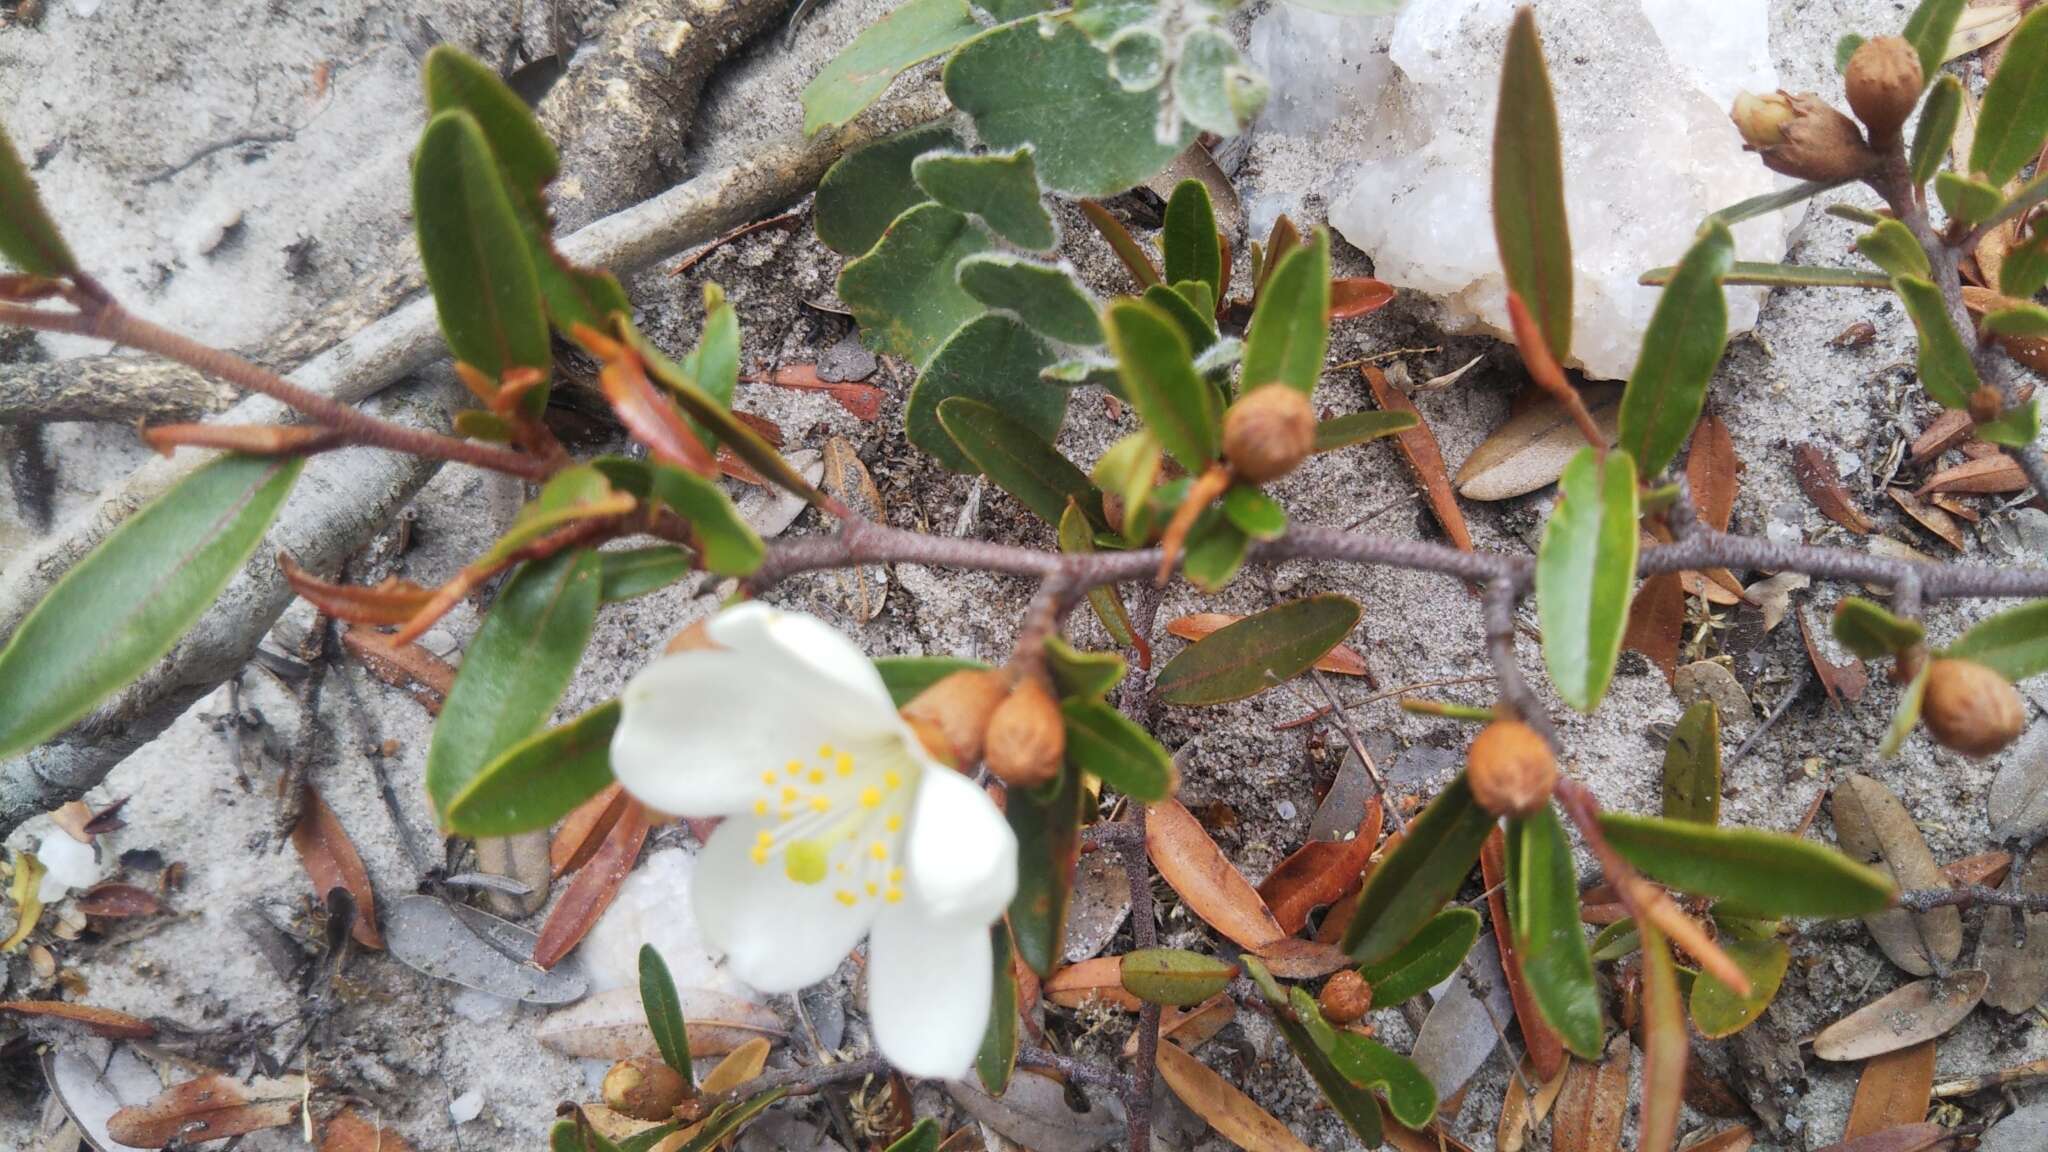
[848,360]
[1708,680]
[70,865]
[467,1106]
[1286,809]
[2018,536]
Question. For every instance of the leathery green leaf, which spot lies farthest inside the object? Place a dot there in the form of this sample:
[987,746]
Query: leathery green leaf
[1290,328]
[1692,766]
[1192,248]
[905,292]
[664,1012]
[1077,535]
[1045,296]
[715,362]
[1528,188]
[906,676]
[635,572]
[725,542]
[1354,1105]
[2013,118]
[1681,347]
[1158,371]
[1870,630]
[1716,1009]
[2019,427]
[1410,885]
[1543,907]
[918,31]
[1251,655]
[997,1059]
[1767,873]
[2026,265]
[1175,976]
[1411,1098]
[122,607]
[1216,551]
[1424,962]
[2022,319]
[1112,747]
[538,780]
[1585,574]
[1936,129]
[476,258]
[2013,643]
[1666,1046]
[1256,514]
[872,185]
[995,360]
[1890,246]
[1359,427]
[1082,673]
[999,187]
[1198,324]
[1945,368]
[1928,29]
[1967,200]
[1759,272]
[924,1135]
[28,238]
[1017,459]
[1905,716]
[1047,823]
[515,669]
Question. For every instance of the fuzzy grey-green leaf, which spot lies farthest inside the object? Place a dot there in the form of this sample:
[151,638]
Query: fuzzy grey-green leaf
[863,70]
[999,187]
[872,185]
[996,360]
[1046,297]
[905,291]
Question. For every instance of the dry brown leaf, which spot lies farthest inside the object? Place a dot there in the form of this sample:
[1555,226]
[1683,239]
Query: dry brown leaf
[1211,887]
[593,889]
[1292,959]
[1814,468]
[72,816]
[407,667]
[1430,1139]
[1232,1113]
[1532,448]
[213,1107]
[1736,1139]
[1099,980]
[1593,1108]
[1320,871]
[1911,1138]
[1992,474]
[2029,350]
[1425,459]
[99,1021]
[349,1132]
[862,401]
[1344,660]
[2016,961]
[107,819]
[117,901]
[1978,27]
[741,1065]
[1545,1051]
[1713,472]
[330,859]
[585,828]
[1521,1113]
[612,1025]
[862,587]
[1922,1010]
[1925,514]
[1894,1090]
[1190,1027]
[1955,507]
[1844,683]
[1656,621]
[1942,433]
[1875,828]
[1986,868]
[1712,587]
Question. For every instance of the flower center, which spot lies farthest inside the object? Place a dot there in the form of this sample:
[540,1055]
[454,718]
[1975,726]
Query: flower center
[839,819]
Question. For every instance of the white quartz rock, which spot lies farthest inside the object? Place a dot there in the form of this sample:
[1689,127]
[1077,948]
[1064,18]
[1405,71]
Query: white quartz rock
[71,865]
[1642,87]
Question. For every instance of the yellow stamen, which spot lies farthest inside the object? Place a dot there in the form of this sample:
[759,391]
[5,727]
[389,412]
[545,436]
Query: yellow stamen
[878,850]
[825,752]
[895,896]
[846,898]
[892,779]
[760,807]
[760,855]
[817,776]
[844,765]
[874,888]
[789,795]
[893,823]
[794,767]
[768,778]
[804,861]
[821,803]
[870,798]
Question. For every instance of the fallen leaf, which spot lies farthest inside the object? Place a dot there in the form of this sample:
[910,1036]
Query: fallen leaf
[1097,905]
[1036,1115]
[1712,471]
[2017,805]
[1425,459]
[107,819]
[1942,433]
[2018,972]
[71,818]
[99,1021]
[1774,596]
[1928,516]
[1545,1051]
[1814,468]
[1211,887]
[1461,1030]
[1736,1139]
[1318,872]
[1190,1027]
[1430,1139]
[862,401]
[1994,474]
[1292,959]
[584,828]
[1894,1090]
[1955,507]
[862,587]
[212,1107]
[1343,660]
[330,858]
[347,1131]
[1922,1010]
[1352,296]
[1592,1110]
[407,667]
[116,901]
[1532,448]
[472,948]
[2031,351]
[1656,621]
[1986,868]
[1232,1113]
[1521,1113]
[1978,27]
[1098,980]
[612,1025]
[1875,828]
[592,891]
[740,1066]
[1911,1138]
[1845,682]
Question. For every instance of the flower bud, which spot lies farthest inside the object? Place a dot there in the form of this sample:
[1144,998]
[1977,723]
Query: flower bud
[1971,708]
[1027,737]
[644,1088]
[1510,769]
[1884,83]
[1761,119]
[1268,432]
[1802,136]
[958,708]
[1346,997]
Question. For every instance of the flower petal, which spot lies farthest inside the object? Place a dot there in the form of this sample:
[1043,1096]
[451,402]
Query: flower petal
[929,986]
[960,852]
[809,651]
[777,935]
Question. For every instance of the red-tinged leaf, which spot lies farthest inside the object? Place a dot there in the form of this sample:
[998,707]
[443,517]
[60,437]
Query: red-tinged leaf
[1129,252]
[1358,296]
[1894,1091]
[1233,1114]
[1933,519]
[1994,474]
[1211,887]
[248,439]
[99,1021]
[349,1132]
[1095,981]
[408,667]
[593,889]
[1713,472]
[213,1107]
[1343,660]
[1656,621]
[862,401]
[1942,433]
[1911,1138]
[1815,470]
[1293,959]
[585,828]
[330,859]
[1529,221]
[1545,1051]
[1735,1139]
[1986,868]
[118,901]
[1546,372]
[649,416]
[392,602]
[1593,1108]
[1318,872]
[1419,448]
[1666,1047]
[1844,683]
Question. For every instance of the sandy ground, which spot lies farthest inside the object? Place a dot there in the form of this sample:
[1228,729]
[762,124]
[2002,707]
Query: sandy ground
[186,145]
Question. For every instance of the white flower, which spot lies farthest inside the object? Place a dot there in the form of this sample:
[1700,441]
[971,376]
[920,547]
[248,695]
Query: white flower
[838,825]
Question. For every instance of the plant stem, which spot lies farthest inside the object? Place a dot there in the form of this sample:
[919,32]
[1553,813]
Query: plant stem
[1920,900]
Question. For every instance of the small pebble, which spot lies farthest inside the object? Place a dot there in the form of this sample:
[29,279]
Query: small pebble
[466,1107]
[1286,809]
[70,865]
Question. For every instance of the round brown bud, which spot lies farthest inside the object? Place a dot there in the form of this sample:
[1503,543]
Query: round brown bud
[644,1088]
[1803,136]
[1027,738]
[1346,997]
[1510,769]
[959,707]
[1883,83]
[1268,432]
[1986,404]
[1971,708]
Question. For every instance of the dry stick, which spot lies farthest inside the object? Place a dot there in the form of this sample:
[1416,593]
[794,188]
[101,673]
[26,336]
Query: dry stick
[1923,899]
[1145,934]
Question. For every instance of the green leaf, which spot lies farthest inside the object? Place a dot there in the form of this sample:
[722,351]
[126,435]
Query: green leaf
[715,362]
[646,1139]
[1543,907]
[1528,188]
[1870,630]
[1256,514]
[2013,643]
[1845,48]
[1716,1009]
[1212,86]
[2019,427]
[1424,962]
[1045,297]
[924,1135]
[1756,272]
[1253,654]
[1769,202]
[706,411]
[539,779]
[1290,329]
[2026,265]
[1616,941]
[872,185]
[1079,673]
[1411,1098]
[999,187]
[1891,247]
[1407,888]
[906,676]
[1047,823]
[1197,323]
[1175,976]
[1692,766]
[1681,348]
[2013,117]
[1767,873]
[28,238]
[725,542]
[664,1012]
[515,670]
[1158,371]
[1585,573]
[1967,200]
[636,572]
[997,1059]
[992,359]
[729,1118]
[1017,459]
[905,292]
[1043,82]
[1936,129]
[1359,427]
[1128,470]
[476,257]
[1906,715]
[1355,1106]
[1192,247]
[1077,536]
[116,612]
[2025,319]
[1216,551]
[913,33]
[572,494]
[1929,29]
[1110,746]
